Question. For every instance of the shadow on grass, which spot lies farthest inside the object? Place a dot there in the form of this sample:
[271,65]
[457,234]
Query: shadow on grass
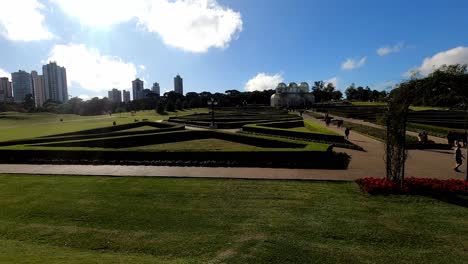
[460,200]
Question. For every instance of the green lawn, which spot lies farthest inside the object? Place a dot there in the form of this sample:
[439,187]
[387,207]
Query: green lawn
[59,219]
[28,125]
[369,103]
[317,128]
[199,144]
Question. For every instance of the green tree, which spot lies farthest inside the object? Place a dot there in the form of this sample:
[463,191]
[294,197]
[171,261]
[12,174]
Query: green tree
[28,103]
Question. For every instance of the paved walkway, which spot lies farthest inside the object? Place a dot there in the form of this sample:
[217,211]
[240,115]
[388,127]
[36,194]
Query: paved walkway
[411,133]
[421,163]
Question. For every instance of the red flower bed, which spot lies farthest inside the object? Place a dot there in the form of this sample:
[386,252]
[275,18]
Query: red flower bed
[421,186]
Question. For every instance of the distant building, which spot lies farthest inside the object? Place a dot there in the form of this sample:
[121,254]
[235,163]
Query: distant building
[292,96]
[22,85]
[6,93]
[55,82]
[115,96]
[38,88]
[126,96]
[178,85]
[137,88]
[156,89]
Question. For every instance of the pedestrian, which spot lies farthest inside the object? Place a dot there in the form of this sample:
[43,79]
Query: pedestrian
[327,121]
[346,132]
[458,157]
[424,137]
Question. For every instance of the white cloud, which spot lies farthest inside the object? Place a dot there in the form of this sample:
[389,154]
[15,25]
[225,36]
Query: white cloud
[333,81]
[387,85]
[263,82]
[351,64]
[91,70]
[458,55]
[384,51]
[142,67]
[4,73]
[22,20]
[190,25]
[85,97]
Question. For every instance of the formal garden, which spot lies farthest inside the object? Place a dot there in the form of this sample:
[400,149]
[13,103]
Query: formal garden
[269,138]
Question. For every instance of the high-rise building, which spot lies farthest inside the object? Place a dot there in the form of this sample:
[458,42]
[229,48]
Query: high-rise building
[178,85]
[115,96]
[55,82]
[126,96]
[137,87]
[38,88]
[156,89]
[22,85]
[5,90]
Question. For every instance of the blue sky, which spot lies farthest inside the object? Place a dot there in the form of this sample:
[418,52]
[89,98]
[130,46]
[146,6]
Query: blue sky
[231,44]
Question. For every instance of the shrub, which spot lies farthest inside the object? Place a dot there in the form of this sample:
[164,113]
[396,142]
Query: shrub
[294,134]
[414,186]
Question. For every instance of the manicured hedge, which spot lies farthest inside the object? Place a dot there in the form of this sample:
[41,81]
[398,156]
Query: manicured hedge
[271,159]
[111,129]
[160,138]
[81,135]
[284,124]
[294,134]
[236,123]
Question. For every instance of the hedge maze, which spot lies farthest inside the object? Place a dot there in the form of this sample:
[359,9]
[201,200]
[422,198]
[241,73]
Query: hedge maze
[288,144]
[441,118]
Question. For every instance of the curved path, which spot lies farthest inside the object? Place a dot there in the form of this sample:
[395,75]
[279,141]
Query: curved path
[421,163]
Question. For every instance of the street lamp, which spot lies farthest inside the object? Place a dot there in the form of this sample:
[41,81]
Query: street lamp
[212,102]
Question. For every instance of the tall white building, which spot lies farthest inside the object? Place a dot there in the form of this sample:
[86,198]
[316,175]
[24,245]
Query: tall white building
[115,96]
[156,89]
[22,85]
[126,96]
[55,82]
[137,88]
[6,93]
[38,88]
[178,84]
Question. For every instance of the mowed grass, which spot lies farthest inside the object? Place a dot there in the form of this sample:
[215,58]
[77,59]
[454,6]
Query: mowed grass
[28,125]
[317,128]
[60,219]
[199,144]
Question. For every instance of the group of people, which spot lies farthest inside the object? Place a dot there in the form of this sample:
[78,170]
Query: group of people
[423,137]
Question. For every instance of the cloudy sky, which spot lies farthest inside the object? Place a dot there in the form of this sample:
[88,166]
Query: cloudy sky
[217,45]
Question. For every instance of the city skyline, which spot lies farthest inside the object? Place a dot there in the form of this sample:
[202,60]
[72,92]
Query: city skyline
[237,48]
[51,85]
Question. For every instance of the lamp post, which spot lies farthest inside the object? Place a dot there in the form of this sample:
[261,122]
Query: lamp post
[212,102]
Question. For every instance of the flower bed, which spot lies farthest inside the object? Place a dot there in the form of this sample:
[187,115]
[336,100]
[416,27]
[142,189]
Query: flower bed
[418,186]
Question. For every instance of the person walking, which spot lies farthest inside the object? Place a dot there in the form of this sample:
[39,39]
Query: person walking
[346,132]
[458,157]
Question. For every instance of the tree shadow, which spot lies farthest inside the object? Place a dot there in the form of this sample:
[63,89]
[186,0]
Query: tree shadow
[460,200]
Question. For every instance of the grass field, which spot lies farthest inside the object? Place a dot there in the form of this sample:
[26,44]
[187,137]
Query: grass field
[58,219]
[25,125]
